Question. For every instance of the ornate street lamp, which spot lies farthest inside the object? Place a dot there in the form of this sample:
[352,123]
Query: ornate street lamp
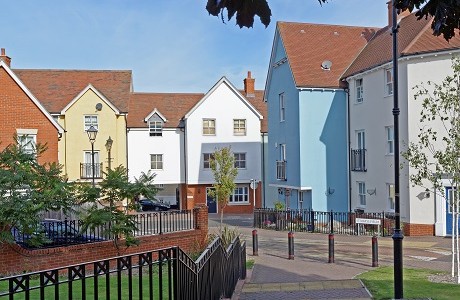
[92,133]
[397,235]
[108,146]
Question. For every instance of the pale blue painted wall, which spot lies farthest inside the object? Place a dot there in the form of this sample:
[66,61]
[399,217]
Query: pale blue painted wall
[323,147]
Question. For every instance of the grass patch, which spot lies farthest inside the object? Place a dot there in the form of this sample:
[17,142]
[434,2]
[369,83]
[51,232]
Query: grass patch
[415,284]
[250,263]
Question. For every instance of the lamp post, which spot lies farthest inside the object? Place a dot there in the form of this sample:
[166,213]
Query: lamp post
[397,235]
[108,146]
[92,133]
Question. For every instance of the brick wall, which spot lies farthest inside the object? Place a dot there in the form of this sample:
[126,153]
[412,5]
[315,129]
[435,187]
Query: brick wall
[411,229]
[17,260]
[18,111]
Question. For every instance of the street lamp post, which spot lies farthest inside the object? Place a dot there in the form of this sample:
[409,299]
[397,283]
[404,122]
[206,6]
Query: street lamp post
[397,235]
[108,146]
[92,133]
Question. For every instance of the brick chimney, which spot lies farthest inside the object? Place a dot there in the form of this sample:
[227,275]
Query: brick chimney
[401,14]
[249,86]
[5,58]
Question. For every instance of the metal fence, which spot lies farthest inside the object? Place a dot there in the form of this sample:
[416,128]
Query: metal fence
[70,232]
[352,223]
[159,274]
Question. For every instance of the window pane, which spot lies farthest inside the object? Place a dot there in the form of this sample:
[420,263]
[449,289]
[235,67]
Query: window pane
[240,160]
[239,127]
[209,126]
[156,161]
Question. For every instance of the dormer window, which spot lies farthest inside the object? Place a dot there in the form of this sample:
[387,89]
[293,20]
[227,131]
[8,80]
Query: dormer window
[155,128]
[156,122]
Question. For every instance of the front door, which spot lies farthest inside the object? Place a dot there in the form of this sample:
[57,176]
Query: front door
[211,202]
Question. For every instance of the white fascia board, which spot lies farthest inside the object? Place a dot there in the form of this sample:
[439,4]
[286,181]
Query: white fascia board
[276,38]
[102,97]
[402,58]
[319,89]
[224,80]
[31,97]
[155,111]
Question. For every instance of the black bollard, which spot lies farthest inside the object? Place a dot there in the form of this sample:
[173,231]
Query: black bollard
[375,252]
[255,246]
[291,244]
[331,248]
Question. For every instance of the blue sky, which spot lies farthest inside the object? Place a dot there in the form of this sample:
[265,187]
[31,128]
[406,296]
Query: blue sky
[170,45]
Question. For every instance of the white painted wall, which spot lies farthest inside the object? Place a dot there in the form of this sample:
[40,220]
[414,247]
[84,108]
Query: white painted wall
[224,105]
[141,145]
[373,115]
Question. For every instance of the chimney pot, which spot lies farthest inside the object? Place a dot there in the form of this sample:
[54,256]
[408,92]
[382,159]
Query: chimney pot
[4,57]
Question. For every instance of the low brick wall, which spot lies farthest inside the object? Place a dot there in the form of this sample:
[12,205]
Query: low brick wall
[15,259]
[411,229]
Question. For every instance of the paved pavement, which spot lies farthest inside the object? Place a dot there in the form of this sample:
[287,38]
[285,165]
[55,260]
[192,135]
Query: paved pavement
[309,275]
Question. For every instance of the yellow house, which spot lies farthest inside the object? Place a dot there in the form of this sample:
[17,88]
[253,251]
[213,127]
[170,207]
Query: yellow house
[79,99]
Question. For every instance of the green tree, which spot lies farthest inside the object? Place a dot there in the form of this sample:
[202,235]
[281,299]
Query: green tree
[445,13]
[224,172]
[105,204]
[435,156]
[28,189]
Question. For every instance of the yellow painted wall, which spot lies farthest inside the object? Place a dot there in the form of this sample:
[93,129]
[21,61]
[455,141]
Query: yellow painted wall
[75,140]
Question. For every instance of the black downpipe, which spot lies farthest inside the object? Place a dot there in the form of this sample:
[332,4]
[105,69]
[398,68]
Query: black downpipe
[349,149]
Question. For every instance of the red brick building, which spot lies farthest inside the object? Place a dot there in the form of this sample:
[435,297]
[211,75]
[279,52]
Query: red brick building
[23,115]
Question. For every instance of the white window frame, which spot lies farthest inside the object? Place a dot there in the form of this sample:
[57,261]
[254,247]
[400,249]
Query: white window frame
[27,143]
[360,139]
[240,160]
[88,159]
[282,103]
[359,90]
[239,126]
[388,82]
[361,186]
[240,195]
[282,152]
[207,161]
[390,135]
[156,164]
[90,120]
[155,128]
[209,126]
[391,196]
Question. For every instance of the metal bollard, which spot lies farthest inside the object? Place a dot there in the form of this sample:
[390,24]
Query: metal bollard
[255,246]
[331,248]
[291,245]
[375,252]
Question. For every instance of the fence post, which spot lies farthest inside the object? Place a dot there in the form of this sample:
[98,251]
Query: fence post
[331,248]
[375,252]
[291,245]
[161,227]
[312,220]
[331,219]
[255,246]
[383,223]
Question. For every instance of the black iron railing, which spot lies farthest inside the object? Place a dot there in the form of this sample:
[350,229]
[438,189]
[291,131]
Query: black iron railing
[351,223]
[159,274]
[70,232]
[358,160]
[281,170]
[86,170]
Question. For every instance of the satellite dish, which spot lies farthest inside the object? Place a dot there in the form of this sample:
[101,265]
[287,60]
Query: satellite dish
[326,65]
[99,106]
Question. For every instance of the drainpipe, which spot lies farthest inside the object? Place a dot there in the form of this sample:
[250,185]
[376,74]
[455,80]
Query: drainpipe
[347,91]
[263,170]
[185,164]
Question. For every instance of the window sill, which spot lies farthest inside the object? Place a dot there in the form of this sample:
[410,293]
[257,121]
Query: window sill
[238,203]
[388,96]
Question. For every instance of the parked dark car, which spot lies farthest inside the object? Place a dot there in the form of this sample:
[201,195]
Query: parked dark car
[152,204]
[57,233]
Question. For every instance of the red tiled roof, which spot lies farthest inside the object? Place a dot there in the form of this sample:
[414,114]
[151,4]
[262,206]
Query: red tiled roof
[414,37]
[174,106]
[308,45]
[56,88]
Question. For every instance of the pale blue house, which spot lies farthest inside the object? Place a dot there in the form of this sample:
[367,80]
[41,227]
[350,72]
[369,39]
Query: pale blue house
[307,113]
